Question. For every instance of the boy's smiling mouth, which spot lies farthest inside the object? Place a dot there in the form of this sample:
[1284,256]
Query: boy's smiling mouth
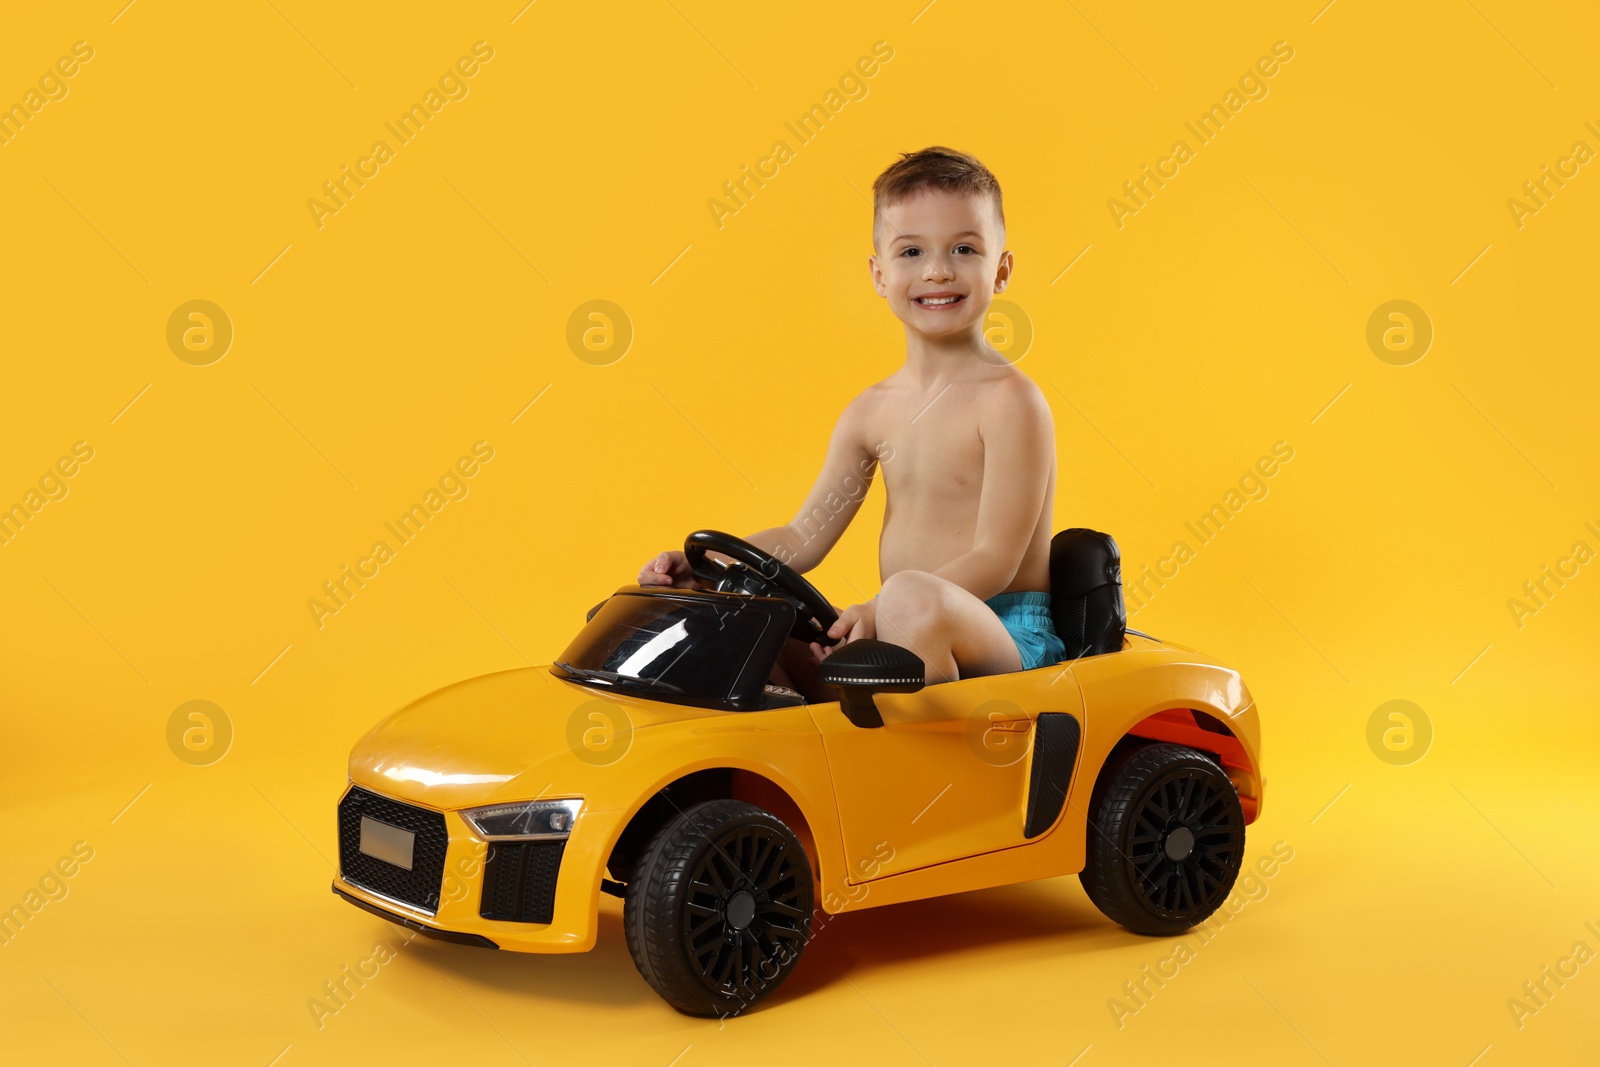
[936,301]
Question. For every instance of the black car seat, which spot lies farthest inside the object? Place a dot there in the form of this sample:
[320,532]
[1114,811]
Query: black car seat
[1086,592]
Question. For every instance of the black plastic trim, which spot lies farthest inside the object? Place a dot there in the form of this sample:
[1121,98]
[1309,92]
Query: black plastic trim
[418,887]
[453,936]
[1055,751]
[519,881]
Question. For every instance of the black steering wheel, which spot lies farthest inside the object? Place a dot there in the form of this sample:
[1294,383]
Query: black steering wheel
[760,574]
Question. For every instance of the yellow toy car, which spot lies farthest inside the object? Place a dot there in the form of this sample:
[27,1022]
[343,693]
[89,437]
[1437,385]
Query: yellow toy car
[655,761]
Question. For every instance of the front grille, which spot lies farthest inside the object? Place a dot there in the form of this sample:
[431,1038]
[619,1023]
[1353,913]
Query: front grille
[420,885]
[519,880]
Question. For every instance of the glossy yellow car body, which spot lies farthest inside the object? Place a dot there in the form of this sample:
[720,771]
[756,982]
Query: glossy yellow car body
[931,803]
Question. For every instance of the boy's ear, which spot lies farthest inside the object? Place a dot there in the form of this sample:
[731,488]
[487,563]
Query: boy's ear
[1002,274]
[877,275]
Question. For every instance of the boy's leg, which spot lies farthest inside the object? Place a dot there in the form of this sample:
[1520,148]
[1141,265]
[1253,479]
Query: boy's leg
[795,670]
[956,634]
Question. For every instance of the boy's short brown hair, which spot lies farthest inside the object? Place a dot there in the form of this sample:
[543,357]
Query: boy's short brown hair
[935,167]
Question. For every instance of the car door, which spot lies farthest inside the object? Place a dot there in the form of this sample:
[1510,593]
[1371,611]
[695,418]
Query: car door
[945,777]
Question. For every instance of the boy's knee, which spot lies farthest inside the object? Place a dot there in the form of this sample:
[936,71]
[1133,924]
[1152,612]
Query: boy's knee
[912,598]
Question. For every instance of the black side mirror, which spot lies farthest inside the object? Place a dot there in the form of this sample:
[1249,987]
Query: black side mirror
[861,668]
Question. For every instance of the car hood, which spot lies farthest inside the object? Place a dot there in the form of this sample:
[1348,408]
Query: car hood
[512,735]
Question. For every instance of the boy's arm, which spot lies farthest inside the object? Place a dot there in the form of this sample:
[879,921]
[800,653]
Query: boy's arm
[847,473]
[1018,447]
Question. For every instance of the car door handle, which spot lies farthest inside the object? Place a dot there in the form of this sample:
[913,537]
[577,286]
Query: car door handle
[1010,726]
[999,740]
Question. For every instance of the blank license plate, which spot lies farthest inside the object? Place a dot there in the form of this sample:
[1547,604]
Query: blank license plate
[387,843]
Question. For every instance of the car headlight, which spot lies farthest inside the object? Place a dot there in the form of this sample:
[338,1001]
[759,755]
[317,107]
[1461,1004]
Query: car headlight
[528,820]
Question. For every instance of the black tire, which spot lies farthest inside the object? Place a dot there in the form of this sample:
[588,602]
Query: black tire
[719,908]
[1165,840]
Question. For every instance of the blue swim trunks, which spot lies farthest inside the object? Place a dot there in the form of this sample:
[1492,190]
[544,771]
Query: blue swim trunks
[1026,616]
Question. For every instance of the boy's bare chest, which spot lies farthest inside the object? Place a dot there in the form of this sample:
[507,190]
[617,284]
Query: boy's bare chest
[929,454]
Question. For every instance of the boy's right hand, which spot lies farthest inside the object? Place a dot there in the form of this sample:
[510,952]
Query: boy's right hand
[855,623]
[670,568]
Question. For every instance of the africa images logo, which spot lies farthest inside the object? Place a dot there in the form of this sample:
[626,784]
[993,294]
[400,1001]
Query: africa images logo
[341,589]
[1252,86]
[452,85]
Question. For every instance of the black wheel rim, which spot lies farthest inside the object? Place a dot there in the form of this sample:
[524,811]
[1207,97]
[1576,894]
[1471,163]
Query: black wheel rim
[1185,843]
[752,872]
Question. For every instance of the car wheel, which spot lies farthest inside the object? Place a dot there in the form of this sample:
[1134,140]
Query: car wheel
[719,908]
[1165,840]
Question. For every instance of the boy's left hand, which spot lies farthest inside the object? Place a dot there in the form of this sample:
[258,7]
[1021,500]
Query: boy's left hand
[855,622]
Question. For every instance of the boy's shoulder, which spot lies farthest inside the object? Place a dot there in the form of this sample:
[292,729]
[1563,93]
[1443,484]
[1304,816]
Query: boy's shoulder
[1014,387]
[1000,387]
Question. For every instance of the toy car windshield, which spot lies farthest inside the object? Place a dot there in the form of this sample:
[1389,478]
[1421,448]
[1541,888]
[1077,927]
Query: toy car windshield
[685,647]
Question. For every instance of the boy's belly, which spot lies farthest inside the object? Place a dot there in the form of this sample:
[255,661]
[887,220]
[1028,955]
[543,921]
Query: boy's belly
[927,539]
[923,539]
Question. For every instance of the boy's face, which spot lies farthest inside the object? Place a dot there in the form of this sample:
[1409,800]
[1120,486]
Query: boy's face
[937,245]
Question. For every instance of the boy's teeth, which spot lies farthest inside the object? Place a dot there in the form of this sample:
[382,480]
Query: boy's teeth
[937,300]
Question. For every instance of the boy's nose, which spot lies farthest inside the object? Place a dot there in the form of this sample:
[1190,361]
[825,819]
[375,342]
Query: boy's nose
[937,268]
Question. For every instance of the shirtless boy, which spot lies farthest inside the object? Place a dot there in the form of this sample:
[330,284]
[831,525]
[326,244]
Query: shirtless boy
[969,445]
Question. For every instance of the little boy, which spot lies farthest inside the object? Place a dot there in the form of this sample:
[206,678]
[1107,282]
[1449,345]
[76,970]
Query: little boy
[967,445]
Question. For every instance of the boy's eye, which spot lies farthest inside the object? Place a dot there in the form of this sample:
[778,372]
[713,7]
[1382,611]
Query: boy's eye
[911,250]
